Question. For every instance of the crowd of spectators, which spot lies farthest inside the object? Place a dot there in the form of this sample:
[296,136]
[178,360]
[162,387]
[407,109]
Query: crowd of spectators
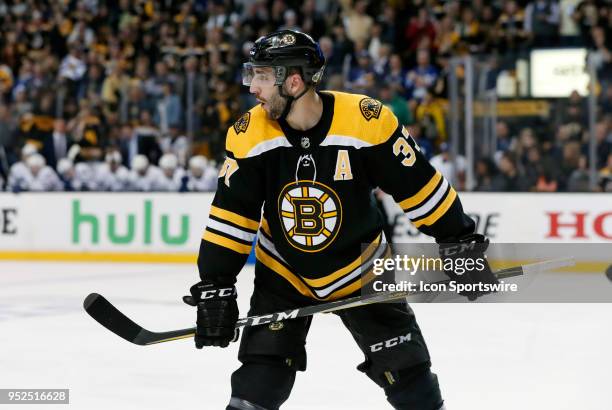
[138,94]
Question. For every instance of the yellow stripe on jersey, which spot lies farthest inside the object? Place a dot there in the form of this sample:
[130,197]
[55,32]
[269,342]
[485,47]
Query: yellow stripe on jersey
[226,243]
[265,227]
[326,280]
[439,212]
[279,268]
[422,194]
[234,218]
[272,264]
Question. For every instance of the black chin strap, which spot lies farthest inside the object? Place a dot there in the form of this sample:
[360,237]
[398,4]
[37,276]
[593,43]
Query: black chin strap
[289,99]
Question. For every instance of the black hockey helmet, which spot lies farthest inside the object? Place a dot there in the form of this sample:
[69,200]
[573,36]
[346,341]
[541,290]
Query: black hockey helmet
[283,50]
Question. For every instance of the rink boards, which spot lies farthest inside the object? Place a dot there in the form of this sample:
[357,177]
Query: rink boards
[158,227]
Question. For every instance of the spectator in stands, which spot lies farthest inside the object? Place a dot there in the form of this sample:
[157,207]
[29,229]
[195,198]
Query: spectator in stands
[487,176]
[420,32]
[571,114]
[568,29]
[8,129]
[169,112]
[586,16]
[87,137]
[447,35]
[311,20]
[430,114]
[511,180]
[357,22]
[453,171]
[603,140]
[61,139]
[114,85]
[601,53]
[605,176]
[91,86]
[396,77]
[421,79]
[194,93]
[510,30]
[579,178]
[569,162]
[542,22]
[398,104]
[362,78]
[468,31]
[426,146]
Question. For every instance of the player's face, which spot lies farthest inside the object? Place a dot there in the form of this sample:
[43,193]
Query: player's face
[264,89]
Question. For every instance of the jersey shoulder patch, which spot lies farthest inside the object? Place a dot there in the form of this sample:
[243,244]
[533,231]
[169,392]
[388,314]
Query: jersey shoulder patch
[243,123]
[361,119]
[370,108]
[253,134]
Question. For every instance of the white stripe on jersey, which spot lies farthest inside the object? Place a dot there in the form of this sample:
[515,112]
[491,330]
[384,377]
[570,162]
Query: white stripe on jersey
[230,230]
[344,141]
[431,203]
[382,247]
[268,145]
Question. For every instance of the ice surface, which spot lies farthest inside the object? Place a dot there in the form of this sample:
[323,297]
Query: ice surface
[487,356]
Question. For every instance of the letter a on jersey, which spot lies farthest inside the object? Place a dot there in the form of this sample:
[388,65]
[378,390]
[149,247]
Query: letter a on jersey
[343,166]
[310,215]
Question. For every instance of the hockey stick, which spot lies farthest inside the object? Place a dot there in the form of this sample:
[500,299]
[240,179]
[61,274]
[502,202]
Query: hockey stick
[111,318]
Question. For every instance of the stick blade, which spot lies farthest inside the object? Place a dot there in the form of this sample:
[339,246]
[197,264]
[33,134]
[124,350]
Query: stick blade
[103,312]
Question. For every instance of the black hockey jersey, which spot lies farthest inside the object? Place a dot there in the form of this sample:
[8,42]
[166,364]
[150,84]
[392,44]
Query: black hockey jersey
[307,196]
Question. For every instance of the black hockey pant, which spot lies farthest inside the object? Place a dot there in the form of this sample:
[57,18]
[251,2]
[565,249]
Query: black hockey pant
[396,357]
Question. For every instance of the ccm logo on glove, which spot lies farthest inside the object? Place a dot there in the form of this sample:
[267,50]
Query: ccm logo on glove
[214,293]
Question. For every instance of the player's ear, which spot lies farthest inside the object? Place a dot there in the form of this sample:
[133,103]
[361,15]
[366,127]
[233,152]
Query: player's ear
[296,84]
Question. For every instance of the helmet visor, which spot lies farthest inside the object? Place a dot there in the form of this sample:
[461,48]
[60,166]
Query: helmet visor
[262,76]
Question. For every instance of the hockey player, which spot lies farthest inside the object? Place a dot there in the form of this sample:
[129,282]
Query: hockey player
[142,174]
[201,177]
[112,175]
[19,170]
[37,176]
[169,180]
[310,159]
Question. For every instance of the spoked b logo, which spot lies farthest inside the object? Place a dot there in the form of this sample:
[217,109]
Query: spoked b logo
[310,215]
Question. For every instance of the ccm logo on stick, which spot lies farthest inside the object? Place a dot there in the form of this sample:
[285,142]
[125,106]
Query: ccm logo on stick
[398,340]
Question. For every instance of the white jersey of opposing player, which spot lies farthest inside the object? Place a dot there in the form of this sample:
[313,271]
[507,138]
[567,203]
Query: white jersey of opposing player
[85,177]
[163,183]
[22,179]
[144,183]
[206,182]
[17,177]
[116,181]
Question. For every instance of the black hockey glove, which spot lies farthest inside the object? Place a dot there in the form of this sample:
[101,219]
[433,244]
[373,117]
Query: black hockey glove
[466,256]
[217,314]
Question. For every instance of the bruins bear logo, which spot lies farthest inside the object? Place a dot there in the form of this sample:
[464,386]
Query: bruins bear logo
[370,108]
[310,214]
[243,123]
